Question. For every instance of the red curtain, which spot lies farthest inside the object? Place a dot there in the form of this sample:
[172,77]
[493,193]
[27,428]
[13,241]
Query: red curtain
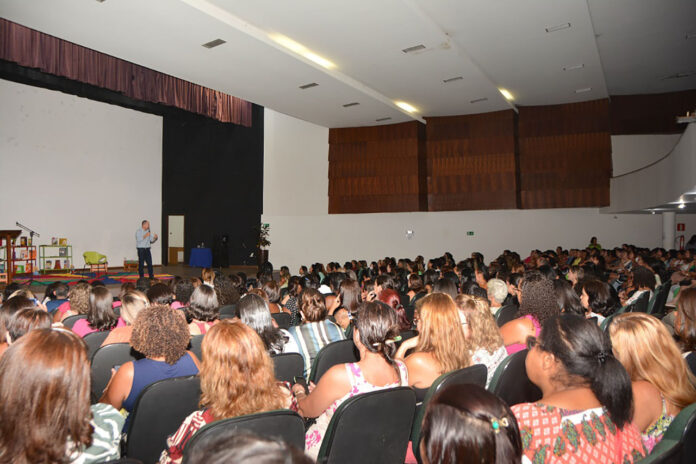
[52,55]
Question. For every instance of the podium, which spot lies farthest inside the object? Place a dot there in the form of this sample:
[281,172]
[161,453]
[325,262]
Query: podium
[8,236]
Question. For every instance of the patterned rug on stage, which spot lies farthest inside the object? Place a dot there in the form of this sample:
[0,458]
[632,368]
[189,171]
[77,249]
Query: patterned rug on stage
[72,278]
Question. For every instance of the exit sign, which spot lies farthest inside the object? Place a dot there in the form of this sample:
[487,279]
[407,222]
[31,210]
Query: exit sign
[470,233]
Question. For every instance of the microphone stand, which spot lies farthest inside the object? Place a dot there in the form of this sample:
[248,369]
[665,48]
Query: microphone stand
[31,237]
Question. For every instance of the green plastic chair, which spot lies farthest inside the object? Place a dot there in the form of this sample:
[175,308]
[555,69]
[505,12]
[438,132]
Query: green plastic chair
[678,445]
[96,261]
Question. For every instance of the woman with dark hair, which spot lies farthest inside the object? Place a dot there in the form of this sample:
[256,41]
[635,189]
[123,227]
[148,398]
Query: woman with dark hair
[272,291]
[596,300]
[416,291]
[447,286]
[243,447]
[514,281]
[100,314]
[225,290]
[237,378]
[203,310]
[45,403]
[376,327]
[537,304]
[253,311]
[160,294]
[429,278]
[391,298]
[643,280]
[685,319]
[567,299]
[316,331]
[25,320]
[182,293]
[585,412]
[289,302]
[161,335]
[465,424]
[347,301]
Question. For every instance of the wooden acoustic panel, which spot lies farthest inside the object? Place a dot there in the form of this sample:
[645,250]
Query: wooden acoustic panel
[565,155]
[377,169]
[650,114]
[471,162]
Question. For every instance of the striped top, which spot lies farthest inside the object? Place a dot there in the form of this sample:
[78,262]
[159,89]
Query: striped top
[106,438]
[312,337]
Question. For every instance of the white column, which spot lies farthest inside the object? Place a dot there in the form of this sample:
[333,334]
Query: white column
[669,225]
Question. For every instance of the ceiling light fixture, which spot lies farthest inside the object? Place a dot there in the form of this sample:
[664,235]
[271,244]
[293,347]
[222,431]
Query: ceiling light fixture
[652,212]
[214,43]
[678,75]
[572,67]
[478,100]
[452,79]
[301,50]
[583,90]
[382,119]
[309,86]
[560,27]
[415,48]
[406,106]
[506,93]
[348,105]
[682,205]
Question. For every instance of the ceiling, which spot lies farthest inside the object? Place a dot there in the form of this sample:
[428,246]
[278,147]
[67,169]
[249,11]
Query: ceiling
[624,47]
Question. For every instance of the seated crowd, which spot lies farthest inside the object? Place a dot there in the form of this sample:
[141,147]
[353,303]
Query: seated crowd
[611,377]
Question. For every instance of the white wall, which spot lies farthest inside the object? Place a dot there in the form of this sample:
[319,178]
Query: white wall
[302,231]
[631,152]
[80,169]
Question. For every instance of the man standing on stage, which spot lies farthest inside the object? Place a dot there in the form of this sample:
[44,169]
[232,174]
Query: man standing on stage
[143,239]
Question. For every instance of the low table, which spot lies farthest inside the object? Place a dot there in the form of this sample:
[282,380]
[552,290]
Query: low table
[130,265]
[201,257]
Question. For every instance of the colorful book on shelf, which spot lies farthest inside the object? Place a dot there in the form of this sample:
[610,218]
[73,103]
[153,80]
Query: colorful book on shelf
[62,252]
[63,241]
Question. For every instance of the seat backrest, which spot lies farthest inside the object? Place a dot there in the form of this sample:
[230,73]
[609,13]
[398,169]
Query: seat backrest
[70,321]
[660,299]
[510,381]
[228,311]
[283,424]
[282,319]
[340,352]
[680,437]
[124,461]
[104,359]
[196,349]
[506,314]
[691,361]
[287,366]
[94,341]
[641,303]
[476,374]
[159,411]
[371,427]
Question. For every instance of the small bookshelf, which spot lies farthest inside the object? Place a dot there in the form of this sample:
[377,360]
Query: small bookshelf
[55,258]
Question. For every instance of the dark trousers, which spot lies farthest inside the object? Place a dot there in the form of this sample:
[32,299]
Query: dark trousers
[144,256]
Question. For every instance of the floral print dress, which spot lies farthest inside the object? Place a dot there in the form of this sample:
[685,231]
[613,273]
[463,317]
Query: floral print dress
[654,433]
[358,385]
[554,435]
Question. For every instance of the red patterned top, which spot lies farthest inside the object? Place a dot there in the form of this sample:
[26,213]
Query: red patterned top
[555,435]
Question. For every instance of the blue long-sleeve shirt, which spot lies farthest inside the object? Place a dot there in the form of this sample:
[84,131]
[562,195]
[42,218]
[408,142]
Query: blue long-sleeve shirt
[141,241]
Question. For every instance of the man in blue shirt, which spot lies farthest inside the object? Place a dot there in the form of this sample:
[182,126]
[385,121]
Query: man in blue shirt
[143,239]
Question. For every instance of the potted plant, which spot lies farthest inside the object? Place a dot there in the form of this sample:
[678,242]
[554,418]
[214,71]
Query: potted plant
[263,242]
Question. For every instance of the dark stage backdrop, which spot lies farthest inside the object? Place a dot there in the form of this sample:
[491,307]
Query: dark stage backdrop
[212,173]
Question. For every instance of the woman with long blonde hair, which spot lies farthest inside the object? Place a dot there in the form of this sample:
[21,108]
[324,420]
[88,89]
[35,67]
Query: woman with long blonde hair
[236,379]
[441,345]
[481,330]
[662,382]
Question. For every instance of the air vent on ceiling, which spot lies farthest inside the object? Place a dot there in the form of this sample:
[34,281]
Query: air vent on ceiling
[679,75]
[214,43]
[348,105]
[415,48]
[560,27]
[583,90]
[452,79]
[573,67]
[479,100]
[309,86]
[101,1]
[382,119]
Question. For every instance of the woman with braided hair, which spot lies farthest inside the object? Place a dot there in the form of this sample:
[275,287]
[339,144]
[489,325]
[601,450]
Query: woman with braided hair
[376,327]
[585,411]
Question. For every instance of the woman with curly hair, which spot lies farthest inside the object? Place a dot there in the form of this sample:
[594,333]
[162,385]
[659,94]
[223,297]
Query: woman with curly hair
[236,379]
[160,333]
[78,302]
[45,407]
[537,304]
[482,332]
[203,310]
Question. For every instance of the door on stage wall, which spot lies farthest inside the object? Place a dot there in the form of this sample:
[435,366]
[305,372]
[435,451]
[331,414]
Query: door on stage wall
[176,240]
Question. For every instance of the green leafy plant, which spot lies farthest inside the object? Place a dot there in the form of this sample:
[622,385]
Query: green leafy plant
[264,233]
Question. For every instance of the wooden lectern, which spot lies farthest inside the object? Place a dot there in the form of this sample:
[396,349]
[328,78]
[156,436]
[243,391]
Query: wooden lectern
[8,236]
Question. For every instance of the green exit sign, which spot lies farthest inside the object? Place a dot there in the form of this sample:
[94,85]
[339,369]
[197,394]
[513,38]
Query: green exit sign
[470,233]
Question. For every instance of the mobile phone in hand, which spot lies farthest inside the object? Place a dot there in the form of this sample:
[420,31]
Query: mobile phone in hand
[301,381]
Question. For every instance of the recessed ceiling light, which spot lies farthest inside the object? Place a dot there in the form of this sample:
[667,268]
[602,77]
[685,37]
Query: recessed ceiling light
[691,35]
[678,75]
[301,50]
[572,67]
[506,93]
[214,43]
[406,106]
[652,212]
[682,206]
[560,27]
[382,119]
[452,79]
[348,105]
[415,48]
[309,86]
[479,100]
[583,90]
